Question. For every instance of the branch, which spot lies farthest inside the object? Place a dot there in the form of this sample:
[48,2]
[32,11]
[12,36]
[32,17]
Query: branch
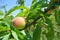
[46,10]
[35,20]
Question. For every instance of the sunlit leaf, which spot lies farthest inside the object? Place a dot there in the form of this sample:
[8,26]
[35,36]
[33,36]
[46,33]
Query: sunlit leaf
[6,37]
[24,12]
[14,8]
[14,35]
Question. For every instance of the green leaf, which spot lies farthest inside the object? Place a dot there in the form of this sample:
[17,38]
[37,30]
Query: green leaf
[50,29]
[19,34]
[57,16]
[37,33]
[3,28]
[3,33]
[58,35]
[24,12]
[2,14]
[6,37]
[28,36]
[13,9]
[33,2]
[21,2]
[5,22]
[14,35]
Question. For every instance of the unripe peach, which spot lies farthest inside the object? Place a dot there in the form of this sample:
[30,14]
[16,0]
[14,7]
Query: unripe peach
[19,22]
[49,12]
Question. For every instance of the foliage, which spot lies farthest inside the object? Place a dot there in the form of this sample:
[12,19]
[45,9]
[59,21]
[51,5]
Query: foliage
[42,21]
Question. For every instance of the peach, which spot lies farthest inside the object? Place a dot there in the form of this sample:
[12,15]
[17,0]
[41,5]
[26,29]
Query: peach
[19,22]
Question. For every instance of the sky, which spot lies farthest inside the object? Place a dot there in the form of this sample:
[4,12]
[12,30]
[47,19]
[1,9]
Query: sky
[11,3]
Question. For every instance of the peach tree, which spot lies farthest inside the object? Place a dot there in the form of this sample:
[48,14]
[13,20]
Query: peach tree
[41,21]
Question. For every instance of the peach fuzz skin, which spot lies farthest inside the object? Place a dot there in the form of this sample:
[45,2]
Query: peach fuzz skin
[18,21]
